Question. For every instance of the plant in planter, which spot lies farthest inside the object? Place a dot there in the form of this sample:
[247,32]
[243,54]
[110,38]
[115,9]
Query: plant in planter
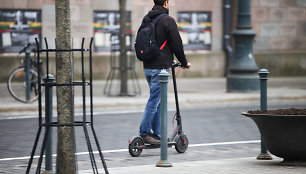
[283,132]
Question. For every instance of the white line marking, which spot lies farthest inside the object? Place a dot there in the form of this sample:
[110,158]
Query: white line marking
[125,150]
[224,143]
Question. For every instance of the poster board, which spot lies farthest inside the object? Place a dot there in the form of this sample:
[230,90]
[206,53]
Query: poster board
[106,30]
[195,30]
[19,27]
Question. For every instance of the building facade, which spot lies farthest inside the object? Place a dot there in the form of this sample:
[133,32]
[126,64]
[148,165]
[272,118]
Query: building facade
[280,27]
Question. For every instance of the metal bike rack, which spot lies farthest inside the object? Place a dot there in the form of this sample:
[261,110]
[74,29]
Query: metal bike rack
[112,84]
[83,123]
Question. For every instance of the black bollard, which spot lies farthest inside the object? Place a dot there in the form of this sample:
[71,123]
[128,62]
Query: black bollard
[163,79]
[48,79]
[263,76]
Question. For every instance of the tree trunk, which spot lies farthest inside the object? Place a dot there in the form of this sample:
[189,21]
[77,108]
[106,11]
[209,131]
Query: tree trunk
[123,50]
[65,163]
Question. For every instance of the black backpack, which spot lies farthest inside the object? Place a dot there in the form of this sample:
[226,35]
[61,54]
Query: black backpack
[146,46]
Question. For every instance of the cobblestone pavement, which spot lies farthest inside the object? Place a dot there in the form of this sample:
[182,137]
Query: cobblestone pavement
[221,139]
[217,135]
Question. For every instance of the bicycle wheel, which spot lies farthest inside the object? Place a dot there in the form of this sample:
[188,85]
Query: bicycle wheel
[17,85]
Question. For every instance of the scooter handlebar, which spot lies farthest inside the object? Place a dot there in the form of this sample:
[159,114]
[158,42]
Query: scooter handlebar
[176,64]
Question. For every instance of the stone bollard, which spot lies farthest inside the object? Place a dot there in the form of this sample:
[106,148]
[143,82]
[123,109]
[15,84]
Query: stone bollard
[163,79]
[263,76]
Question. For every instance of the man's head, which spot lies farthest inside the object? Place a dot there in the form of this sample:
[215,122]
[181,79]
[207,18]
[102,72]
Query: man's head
[163,3]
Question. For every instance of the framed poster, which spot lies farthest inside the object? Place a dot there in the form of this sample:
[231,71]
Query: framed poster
[19,27]
[106,30]
[195,30]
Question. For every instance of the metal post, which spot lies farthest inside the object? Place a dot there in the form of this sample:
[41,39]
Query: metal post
[226,33]
[263,76]
[28,74]
[48,111]
[242,75]
[163,79]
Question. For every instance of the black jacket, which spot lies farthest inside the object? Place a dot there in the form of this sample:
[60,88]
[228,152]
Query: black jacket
[166,29]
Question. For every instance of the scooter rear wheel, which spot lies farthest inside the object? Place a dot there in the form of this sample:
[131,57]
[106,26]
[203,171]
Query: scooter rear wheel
[181,144]
[135,147]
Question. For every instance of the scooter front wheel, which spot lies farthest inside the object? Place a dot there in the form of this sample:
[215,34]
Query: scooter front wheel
[136,146]
[181,144]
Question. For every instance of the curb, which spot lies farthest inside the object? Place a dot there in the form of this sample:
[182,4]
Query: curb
[140,102]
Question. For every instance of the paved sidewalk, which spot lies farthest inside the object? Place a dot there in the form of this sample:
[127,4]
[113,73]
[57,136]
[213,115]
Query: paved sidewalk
[192,92]
[224,166]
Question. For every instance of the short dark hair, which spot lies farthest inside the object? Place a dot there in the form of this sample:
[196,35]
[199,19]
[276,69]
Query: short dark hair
[159,2]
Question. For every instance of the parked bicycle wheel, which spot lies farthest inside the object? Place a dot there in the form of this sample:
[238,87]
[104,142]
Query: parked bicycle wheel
[17,85]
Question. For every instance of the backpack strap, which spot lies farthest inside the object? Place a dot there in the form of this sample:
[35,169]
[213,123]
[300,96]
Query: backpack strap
[154,21]
[163,45]
[157,18]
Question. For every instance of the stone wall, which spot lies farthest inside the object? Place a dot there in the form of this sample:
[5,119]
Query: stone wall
[204,64]
[280,27]
[279,24]
[282,63]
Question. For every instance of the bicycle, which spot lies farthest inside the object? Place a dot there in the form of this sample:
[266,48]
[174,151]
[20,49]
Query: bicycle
[19,86]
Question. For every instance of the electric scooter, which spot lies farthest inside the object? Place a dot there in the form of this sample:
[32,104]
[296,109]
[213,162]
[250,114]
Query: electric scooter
[177,139]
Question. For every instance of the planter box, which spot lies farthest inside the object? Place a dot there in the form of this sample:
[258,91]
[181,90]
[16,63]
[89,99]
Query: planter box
[283,135]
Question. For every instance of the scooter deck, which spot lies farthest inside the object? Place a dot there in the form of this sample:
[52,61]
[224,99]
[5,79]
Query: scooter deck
[153,146]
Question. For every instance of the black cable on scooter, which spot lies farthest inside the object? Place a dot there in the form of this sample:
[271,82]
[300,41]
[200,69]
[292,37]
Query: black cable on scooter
[175,114]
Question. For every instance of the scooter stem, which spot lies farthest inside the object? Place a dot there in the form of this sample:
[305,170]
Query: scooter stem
[178,114]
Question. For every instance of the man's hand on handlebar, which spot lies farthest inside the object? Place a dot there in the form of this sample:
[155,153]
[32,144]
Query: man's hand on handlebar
[186,66]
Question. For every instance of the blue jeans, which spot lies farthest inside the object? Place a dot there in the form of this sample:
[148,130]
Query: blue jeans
[150,124]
